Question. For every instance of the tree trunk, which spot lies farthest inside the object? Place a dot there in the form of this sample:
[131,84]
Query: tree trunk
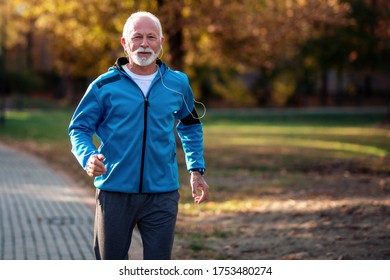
[367,84]
[339,90]
[29,47]
[177,53]
[174,31]
[65,88]
[386,120]
[3,65]
[371,53]
[324,88]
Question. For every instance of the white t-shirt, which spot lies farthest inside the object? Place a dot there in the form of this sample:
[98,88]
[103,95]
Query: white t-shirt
[143,81]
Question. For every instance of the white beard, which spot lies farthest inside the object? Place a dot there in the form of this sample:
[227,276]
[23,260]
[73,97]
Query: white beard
[143,61]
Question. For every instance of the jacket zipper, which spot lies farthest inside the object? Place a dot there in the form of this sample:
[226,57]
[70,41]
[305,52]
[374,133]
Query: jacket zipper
[146,108]
[146,105]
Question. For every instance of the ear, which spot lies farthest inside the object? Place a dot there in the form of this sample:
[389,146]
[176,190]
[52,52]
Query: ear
[125,47]
[123,42]
[162,40]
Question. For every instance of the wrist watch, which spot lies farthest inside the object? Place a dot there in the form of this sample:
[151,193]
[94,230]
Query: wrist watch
[200,170]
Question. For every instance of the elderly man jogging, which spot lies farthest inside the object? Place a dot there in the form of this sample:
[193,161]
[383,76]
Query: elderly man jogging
[133,109]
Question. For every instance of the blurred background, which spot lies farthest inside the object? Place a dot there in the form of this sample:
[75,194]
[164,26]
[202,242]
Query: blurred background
[248,53]
[297,138]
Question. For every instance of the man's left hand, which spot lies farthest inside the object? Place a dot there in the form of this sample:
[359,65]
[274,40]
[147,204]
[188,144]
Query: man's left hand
[198,183]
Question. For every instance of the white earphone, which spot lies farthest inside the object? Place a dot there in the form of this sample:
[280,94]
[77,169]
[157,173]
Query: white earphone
[182,95]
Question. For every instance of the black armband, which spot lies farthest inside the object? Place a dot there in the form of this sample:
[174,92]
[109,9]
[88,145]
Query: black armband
[192,118]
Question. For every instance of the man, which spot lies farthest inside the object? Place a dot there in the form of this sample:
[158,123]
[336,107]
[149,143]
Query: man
[133,109]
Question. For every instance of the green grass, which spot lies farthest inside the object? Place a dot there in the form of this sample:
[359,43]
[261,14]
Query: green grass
[239,147]
[245,129]
[355,133]
[47,126]
[249,154]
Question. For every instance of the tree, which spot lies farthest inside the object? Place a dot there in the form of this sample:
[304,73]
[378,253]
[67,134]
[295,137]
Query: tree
[371,40]
[170,13]
[229,40]
[263,35]
[3,55]
[357,43]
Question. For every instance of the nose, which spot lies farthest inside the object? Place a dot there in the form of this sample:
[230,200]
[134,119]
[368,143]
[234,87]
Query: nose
[144,42]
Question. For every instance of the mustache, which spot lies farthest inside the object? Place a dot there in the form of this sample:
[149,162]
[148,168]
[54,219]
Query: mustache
[141,49]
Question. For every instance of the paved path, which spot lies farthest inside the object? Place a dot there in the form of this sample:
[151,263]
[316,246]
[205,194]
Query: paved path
[43,215]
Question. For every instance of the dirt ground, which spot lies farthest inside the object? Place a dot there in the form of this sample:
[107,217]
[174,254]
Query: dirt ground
[339,216]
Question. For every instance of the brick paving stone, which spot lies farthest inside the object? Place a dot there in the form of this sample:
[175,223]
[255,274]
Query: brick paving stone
[43,215]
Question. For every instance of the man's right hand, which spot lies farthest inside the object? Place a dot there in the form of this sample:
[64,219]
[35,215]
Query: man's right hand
[95,166]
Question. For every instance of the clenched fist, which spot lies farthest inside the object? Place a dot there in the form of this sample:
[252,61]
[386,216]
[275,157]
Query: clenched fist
[95,166]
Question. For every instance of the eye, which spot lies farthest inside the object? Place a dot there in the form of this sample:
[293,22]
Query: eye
[136,37]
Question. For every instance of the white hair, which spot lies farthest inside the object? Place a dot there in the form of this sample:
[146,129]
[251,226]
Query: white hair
[129,23]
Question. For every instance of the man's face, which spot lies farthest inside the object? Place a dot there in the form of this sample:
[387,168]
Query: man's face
[145,42]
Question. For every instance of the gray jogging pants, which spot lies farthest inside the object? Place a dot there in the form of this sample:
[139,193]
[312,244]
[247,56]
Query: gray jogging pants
[118,213]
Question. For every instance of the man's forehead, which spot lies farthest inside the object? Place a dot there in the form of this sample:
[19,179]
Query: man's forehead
[144,24]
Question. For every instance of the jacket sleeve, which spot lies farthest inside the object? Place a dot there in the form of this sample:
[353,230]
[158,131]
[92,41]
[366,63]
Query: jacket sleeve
[83,126]
[190,132]
[191,137]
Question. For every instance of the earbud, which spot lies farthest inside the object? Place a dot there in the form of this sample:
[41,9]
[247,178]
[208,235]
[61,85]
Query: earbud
[182,95]
[160,55]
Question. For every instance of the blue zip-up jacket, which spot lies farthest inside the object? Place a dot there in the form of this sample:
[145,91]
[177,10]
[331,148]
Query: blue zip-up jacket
[136,133]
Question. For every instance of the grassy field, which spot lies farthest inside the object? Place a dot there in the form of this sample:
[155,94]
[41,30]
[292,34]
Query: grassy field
[252,157]
[249,145]
[237,144]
